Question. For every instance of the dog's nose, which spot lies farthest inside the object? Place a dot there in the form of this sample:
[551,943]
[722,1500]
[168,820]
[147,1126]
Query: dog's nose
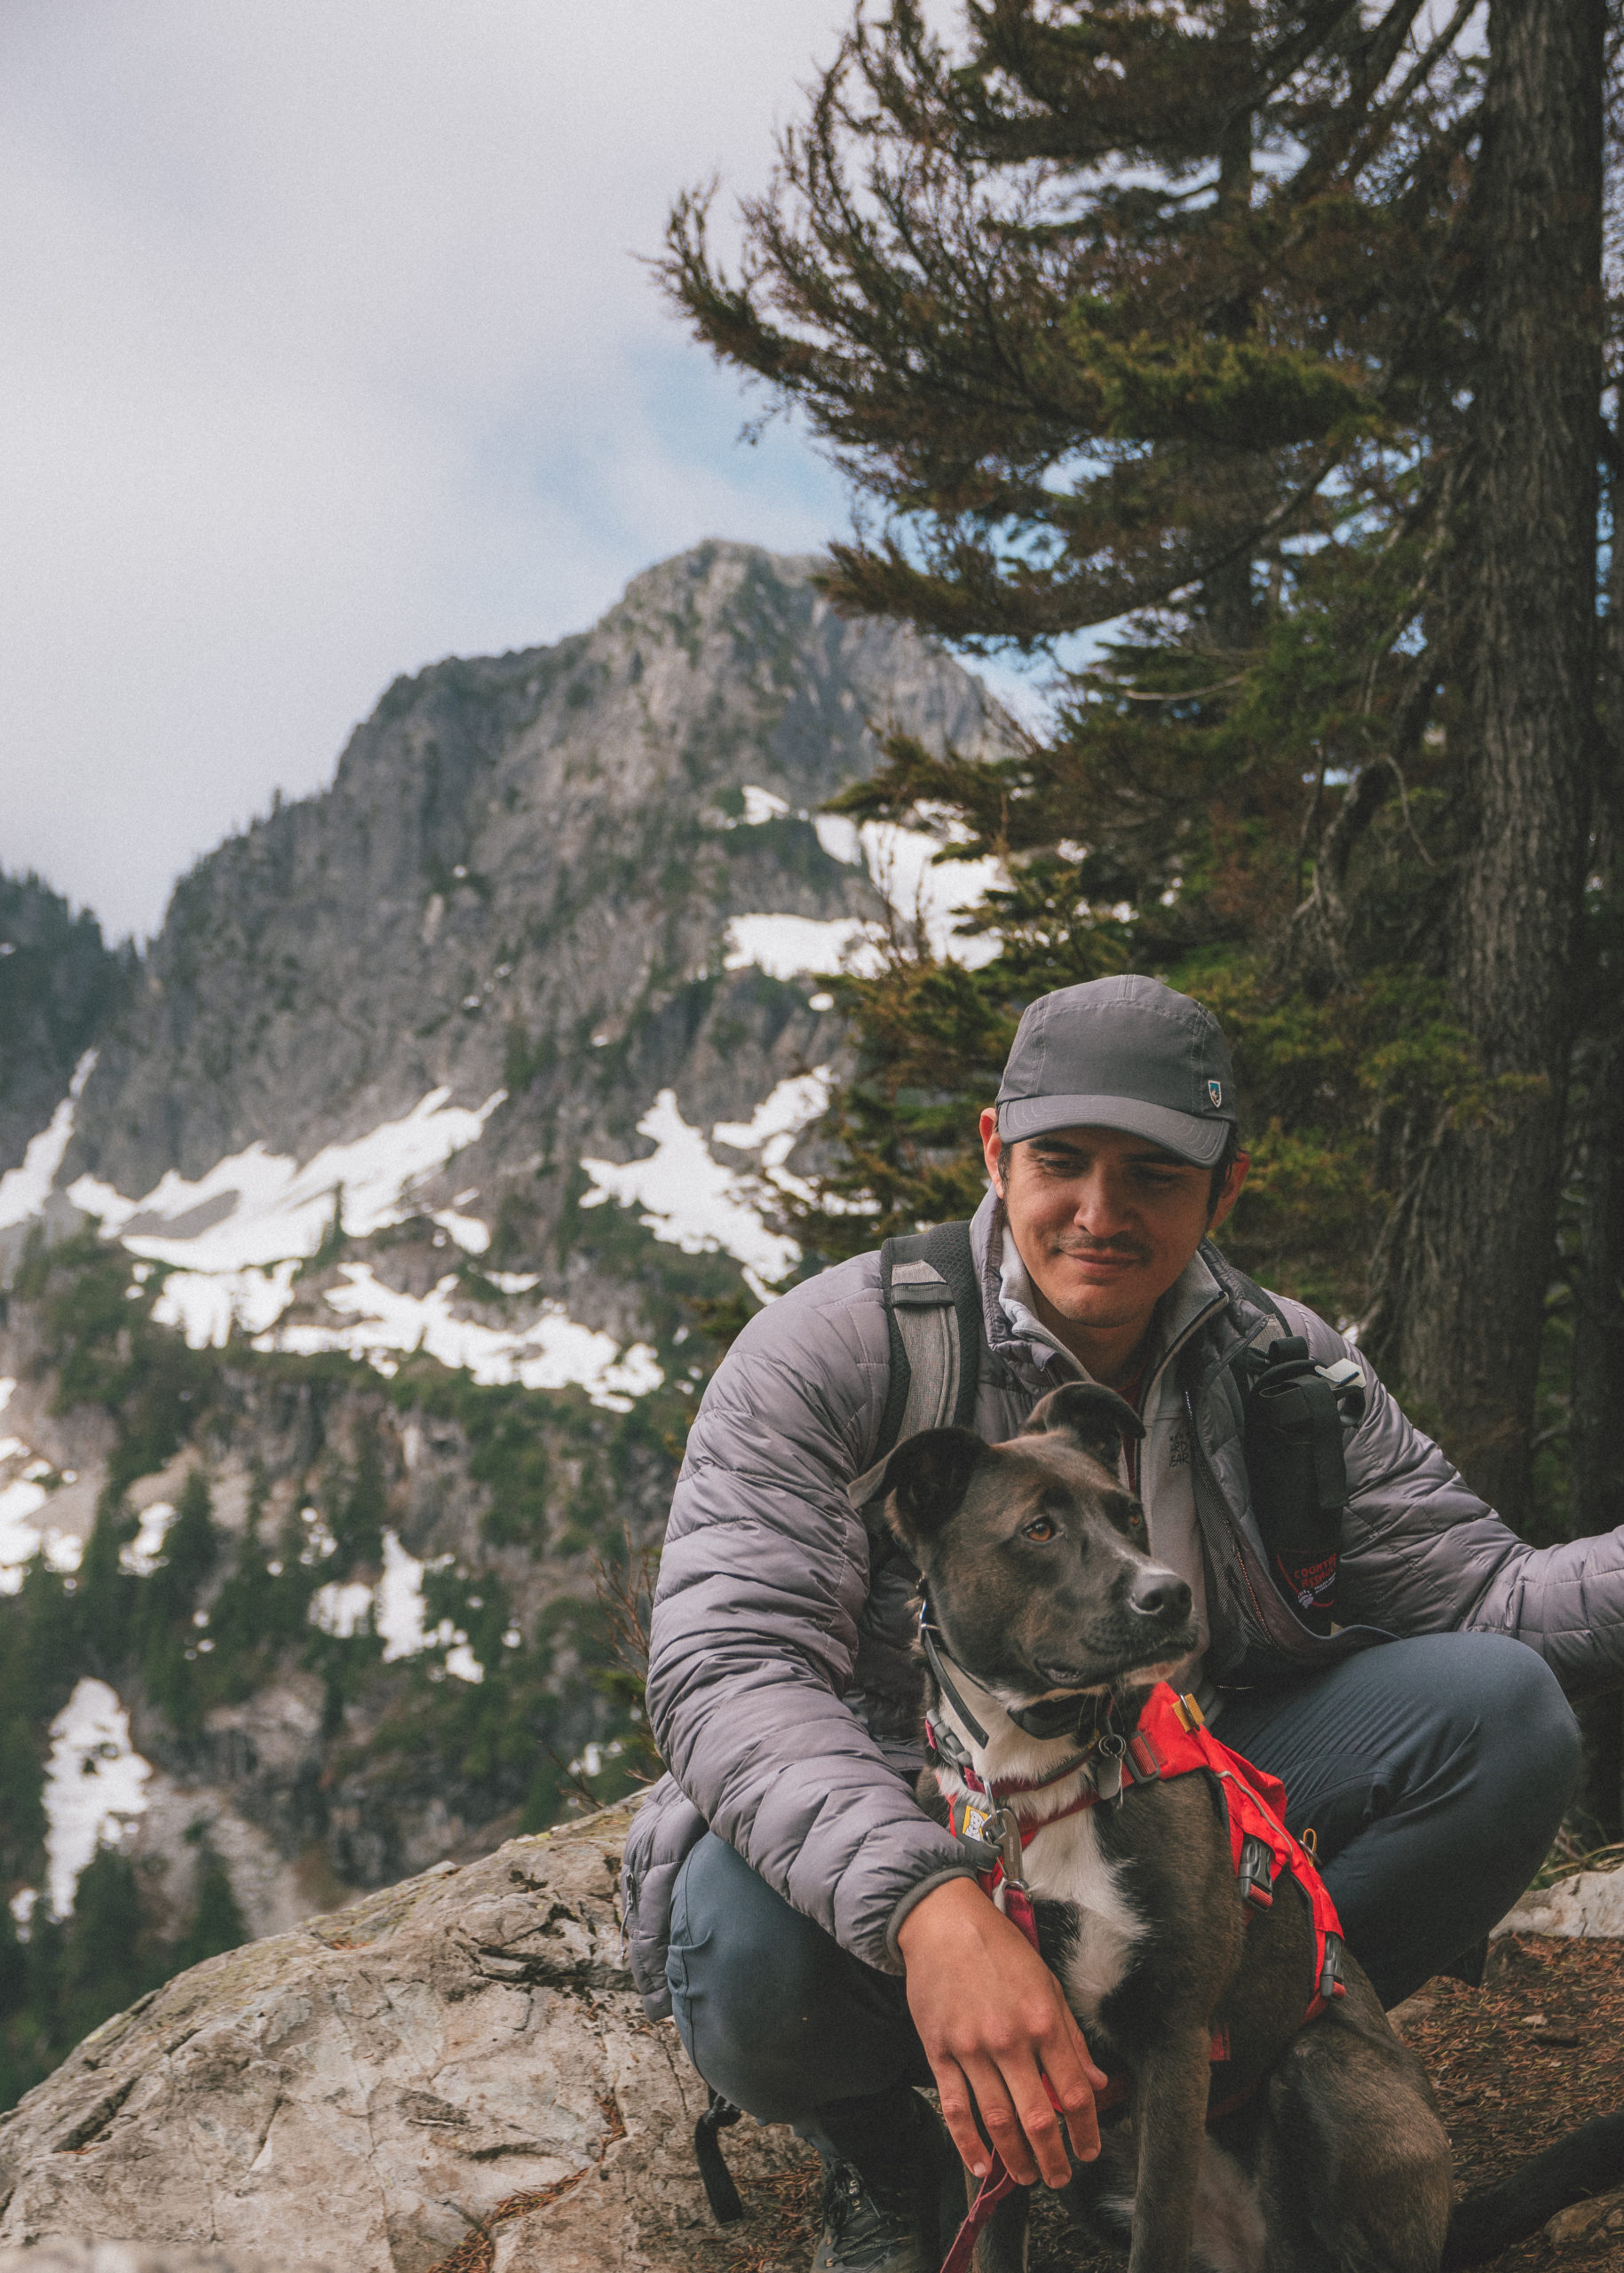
[1160,1593]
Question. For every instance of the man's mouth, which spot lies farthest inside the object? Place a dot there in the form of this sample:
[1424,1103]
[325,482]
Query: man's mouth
[1103,1261]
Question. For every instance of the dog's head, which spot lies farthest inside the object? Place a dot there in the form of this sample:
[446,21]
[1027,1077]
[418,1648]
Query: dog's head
[1033,1553]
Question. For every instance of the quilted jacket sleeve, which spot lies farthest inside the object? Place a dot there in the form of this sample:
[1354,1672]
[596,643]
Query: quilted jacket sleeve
[754,1629]
[1421,1554]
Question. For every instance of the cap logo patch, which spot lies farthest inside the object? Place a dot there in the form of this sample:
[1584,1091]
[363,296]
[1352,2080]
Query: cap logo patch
[1215,1090]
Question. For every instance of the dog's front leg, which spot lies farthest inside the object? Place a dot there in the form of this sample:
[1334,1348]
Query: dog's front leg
[1170,2085]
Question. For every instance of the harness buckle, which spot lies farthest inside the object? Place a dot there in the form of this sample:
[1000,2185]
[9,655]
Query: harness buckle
[1004,1826]
[1255,1876]
[1331,1982]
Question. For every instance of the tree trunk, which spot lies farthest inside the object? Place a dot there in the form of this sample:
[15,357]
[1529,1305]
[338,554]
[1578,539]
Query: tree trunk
[1596,1456]
[1462,1311]
[1596,1441]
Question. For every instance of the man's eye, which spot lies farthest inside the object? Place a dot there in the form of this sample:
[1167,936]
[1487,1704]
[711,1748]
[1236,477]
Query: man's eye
[1042,1531]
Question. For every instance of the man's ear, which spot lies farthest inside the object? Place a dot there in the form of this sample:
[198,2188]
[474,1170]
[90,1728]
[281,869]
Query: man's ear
[1095,1419]
[926,1477]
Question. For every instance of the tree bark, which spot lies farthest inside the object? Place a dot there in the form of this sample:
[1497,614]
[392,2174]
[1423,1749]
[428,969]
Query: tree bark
[1597,1451]
[1460,1321]
[1595,1440]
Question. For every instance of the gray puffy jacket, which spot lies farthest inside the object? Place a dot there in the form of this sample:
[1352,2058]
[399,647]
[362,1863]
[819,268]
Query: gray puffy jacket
[782,1691]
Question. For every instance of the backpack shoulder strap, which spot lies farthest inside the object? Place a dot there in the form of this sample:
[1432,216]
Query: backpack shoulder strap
[933,1318]
[1247,1361]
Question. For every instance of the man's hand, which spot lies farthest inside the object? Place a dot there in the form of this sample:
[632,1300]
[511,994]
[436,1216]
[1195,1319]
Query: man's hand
[993,2025]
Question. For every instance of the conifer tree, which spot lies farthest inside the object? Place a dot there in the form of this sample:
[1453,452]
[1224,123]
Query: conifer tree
[165,1636]
[102,1967]
[217,1923]
[1194,323]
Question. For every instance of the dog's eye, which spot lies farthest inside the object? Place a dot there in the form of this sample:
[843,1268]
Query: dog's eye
[1042,1531]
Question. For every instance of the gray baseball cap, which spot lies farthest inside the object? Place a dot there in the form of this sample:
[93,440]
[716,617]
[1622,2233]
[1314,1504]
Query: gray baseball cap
[1121,1053]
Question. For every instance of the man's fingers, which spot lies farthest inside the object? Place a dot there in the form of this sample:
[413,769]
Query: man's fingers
[1001,2122]
[1035,2112]
[1073,2078]
[959,2115]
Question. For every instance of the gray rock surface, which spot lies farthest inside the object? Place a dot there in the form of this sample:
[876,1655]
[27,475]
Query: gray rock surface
[135,2257]
[1589,1906]
[455,2073]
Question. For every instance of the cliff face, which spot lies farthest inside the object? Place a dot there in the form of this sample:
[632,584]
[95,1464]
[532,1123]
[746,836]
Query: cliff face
[334,1434]
[522,877]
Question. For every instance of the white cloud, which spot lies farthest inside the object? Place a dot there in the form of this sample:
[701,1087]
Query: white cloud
[327,351]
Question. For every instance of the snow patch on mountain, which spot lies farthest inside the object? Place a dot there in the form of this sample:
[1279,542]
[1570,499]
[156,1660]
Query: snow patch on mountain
[395,1610]
[920,888]
[27,1485]
[785,947]
[689,1200]
[94,1786]
[553,1351]
[237,1236]
[257,1209]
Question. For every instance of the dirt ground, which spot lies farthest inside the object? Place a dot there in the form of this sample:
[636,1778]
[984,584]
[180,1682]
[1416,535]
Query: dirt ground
[1516,2064]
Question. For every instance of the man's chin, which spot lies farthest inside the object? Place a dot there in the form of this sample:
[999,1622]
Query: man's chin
[1104,1308]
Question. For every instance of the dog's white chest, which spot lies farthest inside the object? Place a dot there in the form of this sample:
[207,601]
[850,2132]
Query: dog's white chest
[1063,1863]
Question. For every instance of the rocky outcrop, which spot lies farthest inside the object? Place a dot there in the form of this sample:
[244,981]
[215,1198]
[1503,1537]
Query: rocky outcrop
[454,2075]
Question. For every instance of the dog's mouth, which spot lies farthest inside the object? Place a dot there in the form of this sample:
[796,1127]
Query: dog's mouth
[1132,1673]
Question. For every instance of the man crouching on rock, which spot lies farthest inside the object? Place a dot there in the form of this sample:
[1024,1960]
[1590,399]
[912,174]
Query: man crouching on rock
[823,1944]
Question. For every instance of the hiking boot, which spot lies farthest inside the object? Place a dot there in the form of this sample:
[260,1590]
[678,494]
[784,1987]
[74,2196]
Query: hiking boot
[869,2228]
[887,2163]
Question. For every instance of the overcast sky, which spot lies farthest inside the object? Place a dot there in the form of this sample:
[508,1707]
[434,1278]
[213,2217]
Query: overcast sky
[324,352]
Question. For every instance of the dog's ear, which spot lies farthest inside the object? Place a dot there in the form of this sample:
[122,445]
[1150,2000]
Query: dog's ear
[926,1477]
[1095,1419]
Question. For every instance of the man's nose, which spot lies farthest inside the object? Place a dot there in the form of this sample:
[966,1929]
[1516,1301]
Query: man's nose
[1103,1203]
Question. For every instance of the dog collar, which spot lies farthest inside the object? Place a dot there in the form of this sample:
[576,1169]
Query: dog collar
[943,1741]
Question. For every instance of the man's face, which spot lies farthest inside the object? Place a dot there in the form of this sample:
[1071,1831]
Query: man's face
[1103,1222]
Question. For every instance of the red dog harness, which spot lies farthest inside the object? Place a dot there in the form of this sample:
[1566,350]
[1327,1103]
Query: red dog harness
[1171,1739]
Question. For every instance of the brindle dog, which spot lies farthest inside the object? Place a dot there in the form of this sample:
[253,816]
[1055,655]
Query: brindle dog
[1045,1602]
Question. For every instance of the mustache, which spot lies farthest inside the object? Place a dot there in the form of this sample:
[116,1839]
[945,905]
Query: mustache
[1074,1243]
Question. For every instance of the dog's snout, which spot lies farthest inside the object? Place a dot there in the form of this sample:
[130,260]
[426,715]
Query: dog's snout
[1161,1594]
